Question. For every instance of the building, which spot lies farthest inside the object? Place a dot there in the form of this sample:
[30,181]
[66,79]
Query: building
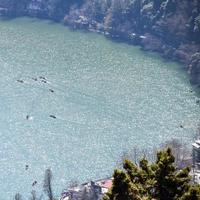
[94,189]
[104,185]
[196,154]
[195,173]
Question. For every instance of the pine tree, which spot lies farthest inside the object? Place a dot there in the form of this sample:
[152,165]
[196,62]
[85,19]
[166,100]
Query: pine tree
[158,181]
[123,188]
[170,183]
[192,194]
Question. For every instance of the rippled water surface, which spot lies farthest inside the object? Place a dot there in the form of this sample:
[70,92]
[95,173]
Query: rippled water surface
[108,97]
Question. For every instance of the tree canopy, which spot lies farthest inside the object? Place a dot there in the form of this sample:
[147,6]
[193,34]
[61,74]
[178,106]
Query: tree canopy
[153,181]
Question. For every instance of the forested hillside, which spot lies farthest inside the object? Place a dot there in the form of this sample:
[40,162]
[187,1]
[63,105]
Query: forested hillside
[170,27]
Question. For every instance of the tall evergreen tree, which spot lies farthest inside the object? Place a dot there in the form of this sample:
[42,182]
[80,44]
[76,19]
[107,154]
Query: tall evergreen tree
[170,183]
[123,188]
[157,181]
[192,194]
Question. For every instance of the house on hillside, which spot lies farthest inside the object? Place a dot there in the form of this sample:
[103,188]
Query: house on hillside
[104,185]
[94,189]
[196,161]
[196,154]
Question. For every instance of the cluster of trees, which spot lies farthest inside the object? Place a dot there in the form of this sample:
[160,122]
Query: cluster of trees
[168,19]
[53,9]
[143,180]
[182,154]
[153,181]
[47,187]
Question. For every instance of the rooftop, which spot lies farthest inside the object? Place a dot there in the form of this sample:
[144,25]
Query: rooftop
[196,144]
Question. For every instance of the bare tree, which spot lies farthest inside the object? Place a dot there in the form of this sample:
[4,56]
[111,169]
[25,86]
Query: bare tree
[197,134]
[180,151]
[85,195]
[33,195]
[48,185]
[73,183]
[135,155]
[18,196]
[93,193]
[125,155]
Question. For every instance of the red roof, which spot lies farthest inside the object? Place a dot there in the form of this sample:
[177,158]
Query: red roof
[106,184]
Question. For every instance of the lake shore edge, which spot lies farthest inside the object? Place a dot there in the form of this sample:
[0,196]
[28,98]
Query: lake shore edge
[150,36]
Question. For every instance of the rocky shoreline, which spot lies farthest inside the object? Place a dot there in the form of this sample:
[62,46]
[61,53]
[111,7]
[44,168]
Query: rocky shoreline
[147,41]
[187,53]
[171,28]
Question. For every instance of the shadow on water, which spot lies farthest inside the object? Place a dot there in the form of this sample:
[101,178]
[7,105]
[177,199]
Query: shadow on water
[4,18]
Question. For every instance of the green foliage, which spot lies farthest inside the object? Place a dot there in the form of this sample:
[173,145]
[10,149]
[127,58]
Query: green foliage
[192,194]
[159,181]
[170,183]
[123,187]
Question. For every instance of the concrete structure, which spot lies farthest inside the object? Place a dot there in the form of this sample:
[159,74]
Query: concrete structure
[195,173]
[94,189]
[196,154]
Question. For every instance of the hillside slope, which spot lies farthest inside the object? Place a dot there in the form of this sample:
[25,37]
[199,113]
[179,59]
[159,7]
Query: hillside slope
[170,27]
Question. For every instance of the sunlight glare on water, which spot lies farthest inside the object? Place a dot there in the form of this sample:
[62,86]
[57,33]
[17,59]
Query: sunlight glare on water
[107,97]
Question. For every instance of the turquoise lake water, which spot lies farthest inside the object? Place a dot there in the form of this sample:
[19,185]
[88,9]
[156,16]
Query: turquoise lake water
[108,97]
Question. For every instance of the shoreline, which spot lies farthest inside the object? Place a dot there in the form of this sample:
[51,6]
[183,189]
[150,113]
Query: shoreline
[170,29]
[147,42]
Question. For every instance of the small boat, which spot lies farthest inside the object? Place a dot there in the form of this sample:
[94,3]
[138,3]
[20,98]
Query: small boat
[51,90]
[43,81]
[42,77]
[20,81]
[52,116]
[34,183]
[26,167]
[28,117]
